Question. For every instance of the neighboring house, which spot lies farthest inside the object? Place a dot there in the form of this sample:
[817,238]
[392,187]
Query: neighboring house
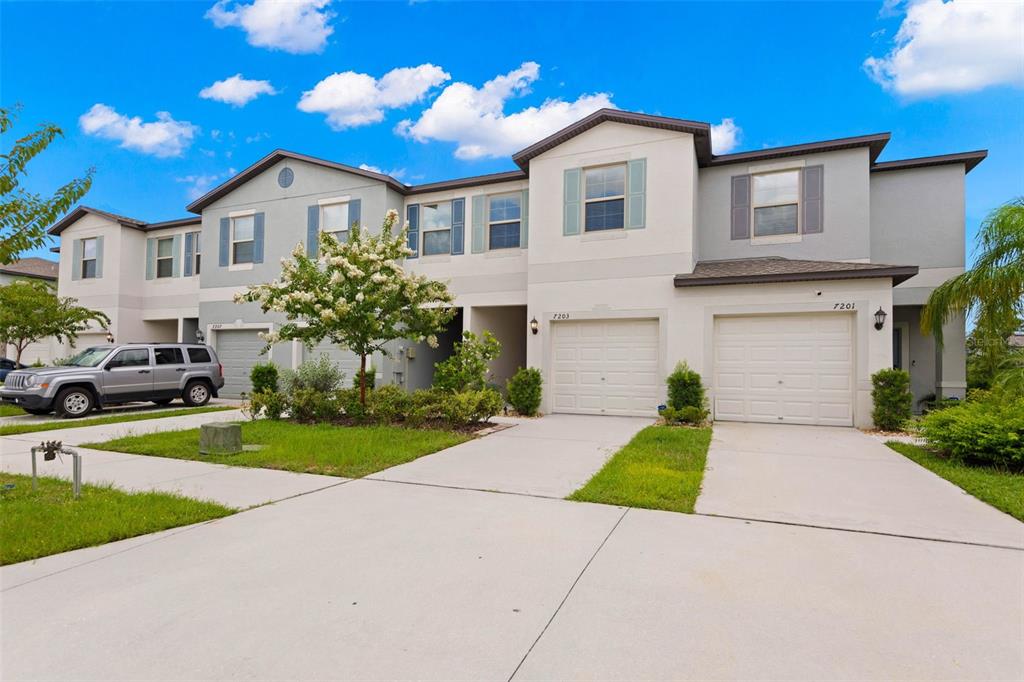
[43,350]
[621,246]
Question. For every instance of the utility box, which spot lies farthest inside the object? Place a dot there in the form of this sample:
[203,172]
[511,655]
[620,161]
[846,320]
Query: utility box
[220,439]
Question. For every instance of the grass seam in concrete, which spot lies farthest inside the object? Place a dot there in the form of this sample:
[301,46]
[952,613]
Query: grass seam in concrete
[862,531]
[567,594]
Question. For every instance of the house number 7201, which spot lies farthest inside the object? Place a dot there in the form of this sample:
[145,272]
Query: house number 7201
[844,306]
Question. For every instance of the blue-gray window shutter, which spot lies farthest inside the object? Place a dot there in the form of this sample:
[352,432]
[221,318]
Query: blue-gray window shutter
[312,230]
[636,213]
[257,238]
[189,253]
[176,261]
[478,242]
[412,216]
[355,210]
[223,257]
[813,205]
[76,259]
[739,214]
[150,258]
[458,226]
[571,201]
[524,219]
[99,257]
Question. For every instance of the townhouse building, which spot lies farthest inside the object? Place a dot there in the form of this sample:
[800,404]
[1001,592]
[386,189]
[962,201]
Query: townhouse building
[32,269]
[620,246]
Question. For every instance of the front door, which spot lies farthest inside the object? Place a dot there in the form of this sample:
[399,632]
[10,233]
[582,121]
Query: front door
[128,375]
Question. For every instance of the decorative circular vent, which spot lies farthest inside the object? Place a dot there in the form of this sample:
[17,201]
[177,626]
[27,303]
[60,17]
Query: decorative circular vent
[285,177]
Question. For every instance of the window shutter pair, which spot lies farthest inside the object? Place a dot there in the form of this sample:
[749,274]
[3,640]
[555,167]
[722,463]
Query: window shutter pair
[458,227]
[636,197]
[189,253]
[412,216]
[812,203]
[258,230]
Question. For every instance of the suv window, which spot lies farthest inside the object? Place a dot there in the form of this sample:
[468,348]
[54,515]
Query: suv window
[196,355]
[133,357]
[168,356]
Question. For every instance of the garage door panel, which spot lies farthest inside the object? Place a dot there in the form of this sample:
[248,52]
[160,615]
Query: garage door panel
[763,381]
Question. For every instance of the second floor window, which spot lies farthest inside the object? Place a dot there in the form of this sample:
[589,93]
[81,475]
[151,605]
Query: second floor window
[436,226]
[165,257]
[242,240]
[776,203]
[87,268]
[196,255]
[504,216]
[605,198]
[334,219]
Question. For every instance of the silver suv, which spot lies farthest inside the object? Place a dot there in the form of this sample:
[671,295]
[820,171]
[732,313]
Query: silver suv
[115,374]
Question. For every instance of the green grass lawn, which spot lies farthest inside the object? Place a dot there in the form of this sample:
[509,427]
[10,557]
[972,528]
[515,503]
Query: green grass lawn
[1002,489]
[36,524]
[50,425]
[11,411]
[349,451]
[661,468]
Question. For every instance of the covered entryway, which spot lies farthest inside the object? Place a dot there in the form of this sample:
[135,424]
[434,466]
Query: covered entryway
[606,367]
[786,369]
[238,350]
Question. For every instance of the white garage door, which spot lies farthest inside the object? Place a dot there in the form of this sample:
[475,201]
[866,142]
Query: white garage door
[787,369]
[606,367]
[238,350]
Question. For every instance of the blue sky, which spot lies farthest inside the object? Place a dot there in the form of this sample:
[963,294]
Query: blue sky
[782,73]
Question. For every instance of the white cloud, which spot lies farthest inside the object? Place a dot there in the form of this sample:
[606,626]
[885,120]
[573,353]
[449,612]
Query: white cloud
[351,99]
[237,91]
[394,172]
[475,118]
[951,47]
[258,137]
[296,26]
[725,136]
[198,185]
[162,137]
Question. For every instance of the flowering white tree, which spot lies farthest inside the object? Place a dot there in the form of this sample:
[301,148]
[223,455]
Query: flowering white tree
[355,294]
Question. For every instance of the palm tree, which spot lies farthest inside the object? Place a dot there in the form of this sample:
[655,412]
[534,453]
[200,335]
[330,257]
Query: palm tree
[993,289]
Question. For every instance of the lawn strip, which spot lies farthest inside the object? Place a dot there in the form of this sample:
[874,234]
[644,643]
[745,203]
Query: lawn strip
[11,411]
[348,451]
[661,468]
[53,425]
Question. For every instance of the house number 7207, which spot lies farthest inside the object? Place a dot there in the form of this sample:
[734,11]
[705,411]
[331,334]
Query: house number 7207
[844,306]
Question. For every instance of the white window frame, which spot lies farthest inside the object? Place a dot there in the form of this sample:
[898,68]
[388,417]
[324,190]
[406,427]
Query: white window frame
[340,235]
[196,252]
[234,241]
[81,263]
[158,258]
[519,197]
[775,238]
[424,229]
[625,193]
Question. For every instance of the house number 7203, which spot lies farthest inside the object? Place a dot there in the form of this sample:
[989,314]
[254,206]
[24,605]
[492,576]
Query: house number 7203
[844,306]
[560,316]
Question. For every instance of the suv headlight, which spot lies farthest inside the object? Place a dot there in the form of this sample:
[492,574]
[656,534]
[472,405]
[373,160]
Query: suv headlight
[31,380]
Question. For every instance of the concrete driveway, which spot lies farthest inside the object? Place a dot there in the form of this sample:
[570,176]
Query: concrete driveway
[840,478]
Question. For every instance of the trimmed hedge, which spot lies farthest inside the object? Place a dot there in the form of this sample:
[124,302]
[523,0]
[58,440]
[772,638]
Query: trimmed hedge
[524,390]
[892,398]
[263,377]
[685,388]
[988,430]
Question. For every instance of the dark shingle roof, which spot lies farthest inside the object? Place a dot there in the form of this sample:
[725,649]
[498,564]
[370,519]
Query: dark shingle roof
[135,223]
[776,269]
[40,268]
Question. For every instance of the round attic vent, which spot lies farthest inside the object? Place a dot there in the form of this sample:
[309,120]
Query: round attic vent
[285,177]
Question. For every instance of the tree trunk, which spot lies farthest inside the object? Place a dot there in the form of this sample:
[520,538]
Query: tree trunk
[362,380]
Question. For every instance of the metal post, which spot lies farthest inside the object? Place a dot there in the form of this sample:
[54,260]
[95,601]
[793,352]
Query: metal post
[76,468]
[34,483]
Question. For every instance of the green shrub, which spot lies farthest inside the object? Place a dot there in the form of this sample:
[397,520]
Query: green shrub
[688,414]
[319,375]
[310,405]
[349,403]
[371,378]
[263,377]
[892,398]
[466,368]
[989,431]
[424,404]
[270,404]
[685,388]
[470,407]
[387,404]
[524,390]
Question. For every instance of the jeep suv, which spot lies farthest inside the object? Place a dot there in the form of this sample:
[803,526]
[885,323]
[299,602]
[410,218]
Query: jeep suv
[113,374]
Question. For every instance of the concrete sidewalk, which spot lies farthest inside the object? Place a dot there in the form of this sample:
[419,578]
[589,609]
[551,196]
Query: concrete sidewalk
[840,478]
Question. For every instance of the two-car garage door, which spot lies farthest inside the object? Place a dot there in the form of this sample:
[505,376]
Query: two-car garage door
[786,369]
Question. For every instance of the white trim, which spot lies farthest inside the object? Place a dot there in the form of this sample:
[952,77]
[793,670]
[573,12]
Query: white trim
[756,168]
[242,214]
[776,239]
[334,200]
[240,266]
[213,328]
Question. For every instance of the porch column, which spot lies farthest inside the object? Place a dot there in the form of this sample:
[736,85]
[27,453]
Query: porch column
[951,361]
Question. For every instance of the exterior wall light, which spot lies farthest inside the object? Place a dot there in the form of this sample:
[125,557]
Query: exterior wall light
[110,336]
[880,319]
[534,326]
[199,336]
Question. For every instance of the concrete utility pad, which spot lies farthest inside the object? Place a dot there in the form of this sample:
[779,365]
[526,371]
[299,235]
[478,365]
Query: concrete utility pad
[829,476]
[550,457]
[673,597]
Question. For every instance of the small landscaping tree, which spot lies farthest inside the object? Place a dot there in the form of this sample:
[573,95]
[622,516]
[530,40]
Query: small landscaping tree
[30,311]
[524,390]
[355,294]
[685,388]
[466,368]
[892,398]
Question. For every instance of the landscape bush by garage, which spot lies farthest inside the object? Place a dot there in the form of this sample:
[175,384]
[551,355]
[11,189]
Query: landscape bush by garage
[988,429]
[524,390]
[685,388]
[892,398]
[319,374]
[263,377]
[466,368]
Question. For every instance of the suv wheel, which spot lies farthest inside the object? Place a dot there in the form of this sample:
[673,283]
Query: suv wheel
[196,393]
[73,403]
